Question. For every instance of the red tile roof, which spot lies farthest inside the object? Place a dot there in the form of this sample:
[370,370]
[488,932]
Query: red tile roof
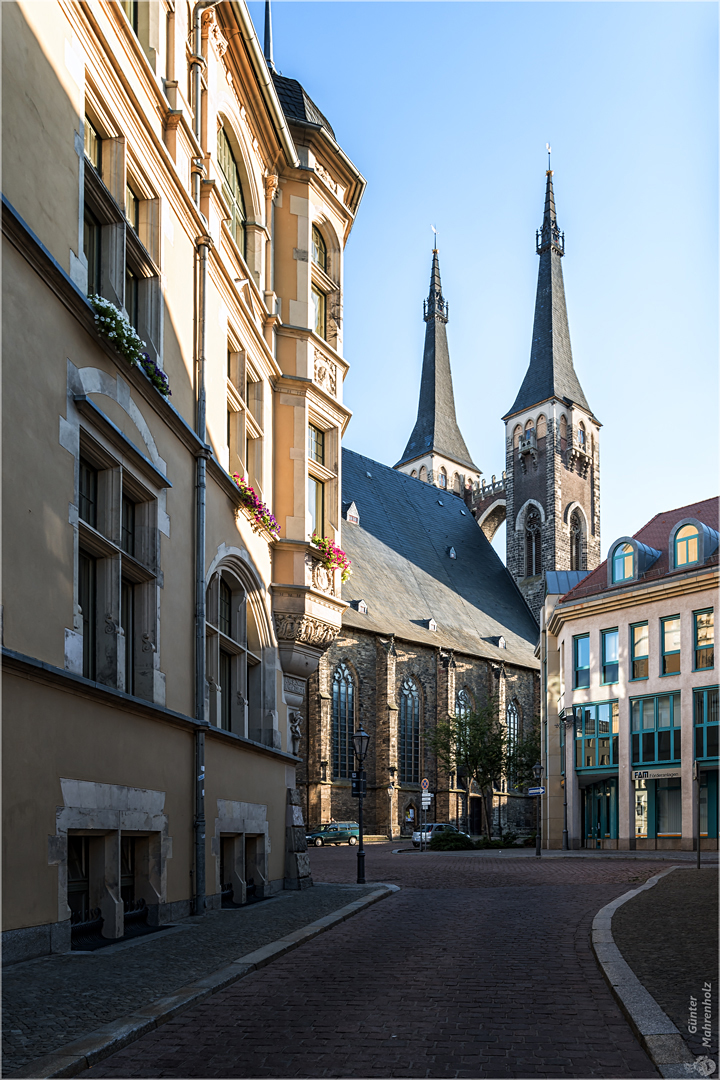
[655,534]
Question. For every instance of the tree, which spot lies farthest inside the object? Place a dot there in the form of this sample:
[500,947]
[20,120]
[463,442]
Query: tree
[522,755]
[473,745]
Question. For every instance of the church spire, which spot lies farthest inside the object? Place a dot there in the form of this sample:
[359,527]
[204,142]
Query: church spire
[436,429]
[551,372]
[267,43]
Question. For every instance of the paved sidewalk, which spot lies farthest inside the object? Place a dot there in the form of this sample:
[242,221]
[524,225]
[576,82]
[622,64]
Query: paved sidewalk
[55,1000]
[669,937]
[476,968]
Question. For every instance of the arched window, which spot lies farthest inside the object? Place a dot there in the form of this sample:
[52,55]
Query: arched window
[409,732]
[516,436]
[582,437]
[623,562]
[533,543]
[442,478]
[414,473]
[343,721]
[541,427]
[232,649]
[512,720]
[319,249]
[563,432]
[529,427]
[463,704]
[232,190]
[687,545]
[456,484]
[577,559]
[423,473]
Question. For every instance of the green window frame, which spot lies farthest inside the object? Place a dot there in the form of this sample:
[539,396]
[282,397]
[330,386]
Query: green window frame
[639,651]
[687,546]
[581,661]
[623,563]
[655,729]
[232,190]
[670,644]
[610,655]
[597,734]
[704,639]
[705,710]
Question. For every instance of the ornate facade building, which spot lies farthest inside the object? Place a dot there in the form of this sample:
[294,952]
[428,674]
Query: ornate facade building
[174,218]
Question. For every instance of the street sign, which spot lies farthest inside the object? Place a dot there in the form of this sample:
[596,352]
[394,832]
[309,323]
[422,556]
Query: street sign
[536,791]
[426,797]
[359,784]
[425,784]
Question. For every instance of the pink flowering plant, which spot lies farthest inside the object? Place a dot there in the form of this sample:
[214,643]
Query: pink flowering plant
[334,558]
[256,507]
[113,325]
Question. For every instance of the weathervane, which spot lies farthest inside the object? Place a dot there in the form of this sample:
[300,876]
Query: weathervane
[436,240]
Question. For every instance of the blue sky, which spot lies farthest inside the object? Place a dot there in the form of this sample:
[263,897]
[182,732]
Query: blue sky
[446,108]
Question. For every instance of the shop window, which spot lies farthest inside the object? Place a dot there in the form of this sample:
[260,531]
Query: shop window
[669,807]
[343,721]
[610,645]
[581,660]
[655,729]
[670,638]
[706,723]
[409,732]
[639,648]
[596,736]
[704,624]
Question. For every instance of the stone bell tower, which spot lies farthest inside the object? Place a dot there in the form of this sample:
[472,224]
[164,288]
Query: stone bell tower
[552,441]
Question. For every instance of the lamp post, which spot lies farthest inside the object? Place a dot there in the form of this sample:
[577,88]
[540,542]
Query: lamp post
[537,773]
[361,741]
[568,723]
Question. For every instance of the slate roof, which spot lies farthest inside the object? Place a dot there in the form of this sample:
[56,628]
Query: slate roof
[562,581]
[656,534]
[296,104]
[551,372]
[402,569]
[436,428]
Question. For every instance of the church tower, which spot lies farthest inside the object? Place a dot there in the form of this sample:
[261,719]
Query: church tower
[436,452]
[552,441]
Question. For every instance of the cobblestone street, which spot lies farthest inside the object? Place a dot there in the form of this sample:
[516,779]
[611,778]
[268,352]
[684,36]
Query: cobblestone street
[478,967]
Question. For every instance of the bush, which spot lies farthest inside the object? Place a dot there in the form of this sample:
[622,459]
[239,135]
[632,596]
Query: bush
[529,841]
[449,841]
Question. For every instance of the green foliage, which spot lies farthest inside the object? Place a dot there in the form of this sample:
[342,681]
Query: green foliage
[450,841]
[522,756]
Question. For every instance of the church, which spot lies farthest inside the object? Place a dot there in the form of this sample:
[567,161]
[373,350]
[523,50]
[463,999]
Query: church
[436,623]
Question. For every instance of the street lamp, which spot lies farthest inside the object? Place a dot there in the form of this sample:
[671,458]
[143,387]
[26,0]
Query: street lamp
[361,741]
[537,773]
[569,724]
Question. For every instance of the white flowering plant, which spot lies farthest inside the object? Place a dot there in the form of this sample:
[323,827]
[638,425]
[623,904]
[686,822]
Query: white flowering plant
[113,325]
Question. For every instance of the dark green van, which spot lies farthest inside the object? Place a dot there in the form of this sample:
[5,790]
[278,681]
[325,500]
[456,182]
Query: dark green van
[336,832]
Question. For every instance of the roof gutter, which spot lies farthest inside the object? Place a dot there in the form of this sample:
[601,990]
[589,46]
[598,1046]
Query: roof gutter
[269,93]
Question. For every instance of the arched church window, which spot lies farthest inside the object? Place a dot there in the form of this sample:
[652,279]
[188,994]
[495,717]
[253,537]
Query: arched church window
[577,559]
[516,436]
[533,543]
[232,655]
[414,473]
[232,189]
[456,485]
[563,432]
[319,249]
[442,478]
[582,437]
[541,427]
[343,721]
[463,704]
[423,474]
[512,720]
[409,732]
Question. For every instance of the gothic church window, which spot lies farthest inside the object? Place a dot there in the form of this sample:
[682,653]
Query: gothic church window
[563,433]
[463,704]
[577,559]
[512,720]
[582,437]
[533,544]
[541,427]
[343,721]
[442,478]
[232,190]
[409,732]
[516,436]
[423,474]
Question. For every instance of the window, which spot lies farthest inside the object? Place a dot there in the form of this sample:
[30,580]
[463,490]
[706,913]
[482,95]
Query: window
[706,723]
[233,662]
[343,721]
[319,301]
[93,145]
[610,644]
[639,649]
[623,562]
[577,561]
[88,493]
[596,736]
[512,718]
[669,807]
[409,732]
[442,478]
[655,729]
[582,437]
[131,297]
[704,622]
[316,508]
[533,544]
[581,658]
[127,621]
[130,7]
[670,637]
[423,473]
[563,432]
[132,208]
[232,190]
[78,878]
[463,704]
[319,249]
[687,546]
[516,436]
[541,429]
[92,248]
[316,444]
[87,588]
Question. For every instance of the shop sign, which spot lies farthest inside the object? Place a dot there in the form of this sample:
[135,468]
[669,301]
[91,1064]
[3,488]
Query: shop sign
[656,774]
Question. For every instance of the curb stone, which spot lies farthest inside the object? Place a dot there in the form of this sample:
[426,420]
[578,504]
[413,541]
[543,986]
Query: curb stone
[653,1027]
[76,1057]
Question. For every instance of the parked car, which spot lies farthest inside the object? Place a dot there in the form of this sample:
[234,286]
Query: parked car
[337,832]
[430,830]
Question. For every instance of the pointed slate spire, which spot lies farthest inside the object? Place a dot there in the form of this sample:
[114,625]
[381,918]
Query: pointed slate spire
[436,429]
[551,372]
[267,44]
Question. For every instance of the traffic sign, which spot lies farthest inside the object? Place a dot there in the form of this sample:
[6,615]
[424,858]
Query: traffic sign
[536,791]
[425,784]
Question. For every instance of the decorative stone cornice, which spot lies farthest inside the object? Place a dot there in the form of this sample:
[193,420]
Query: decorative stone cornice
[305,629]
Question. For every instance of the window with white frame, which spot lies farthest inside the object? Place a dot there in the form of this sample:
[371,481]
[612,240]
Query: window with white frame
[245,418]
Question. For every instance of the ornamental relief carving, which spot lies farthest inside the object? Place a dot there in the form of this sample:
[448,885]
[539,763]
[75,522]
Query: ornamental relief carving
[212,30]
[325,373]
[326,177]
[318,575]
[305,629]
